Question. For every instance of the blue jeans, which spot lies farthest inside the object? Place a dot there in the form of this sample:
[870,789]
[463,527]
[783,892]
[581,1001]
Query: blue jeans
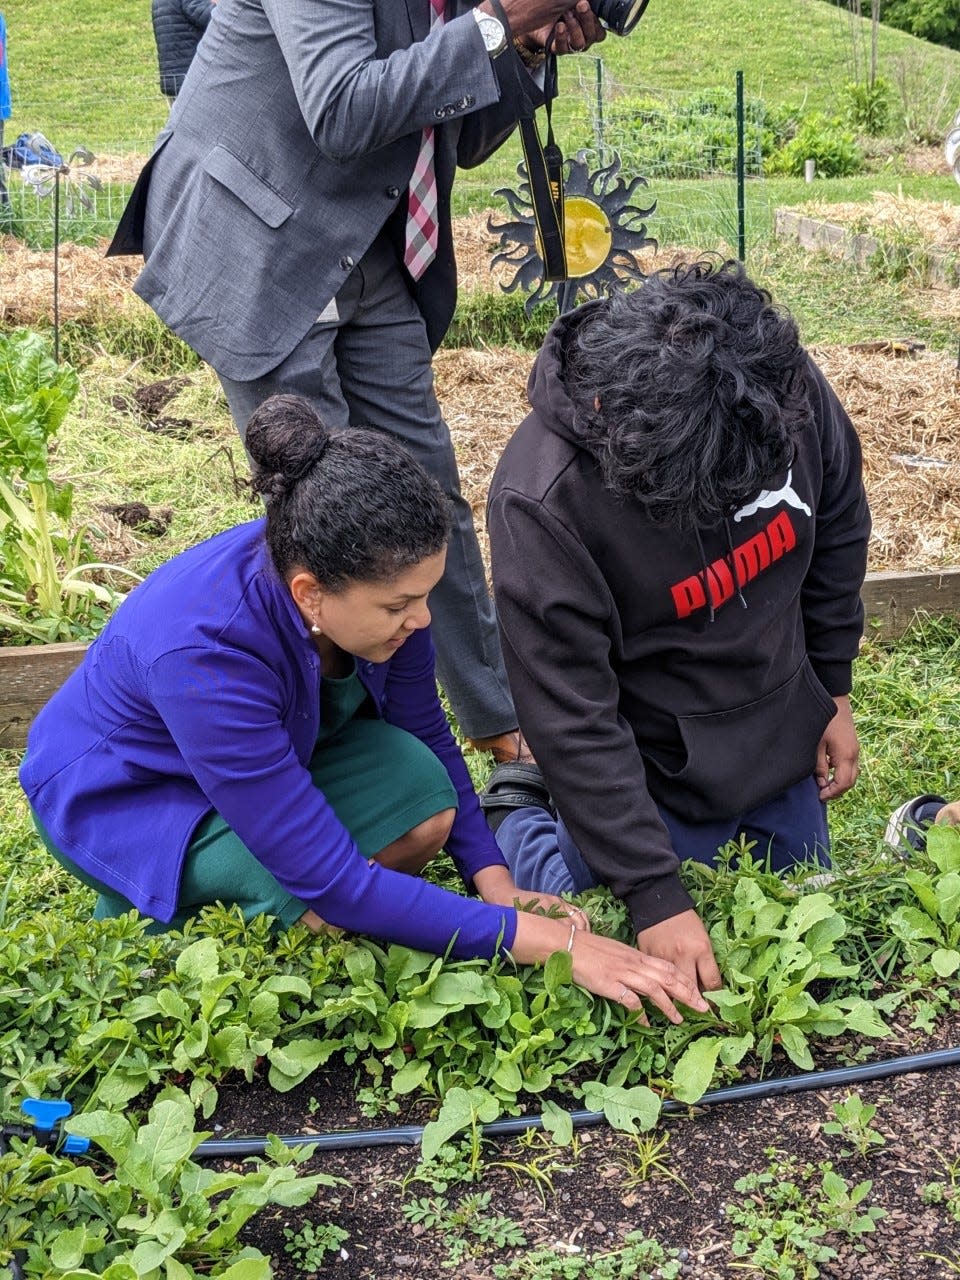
[792,827]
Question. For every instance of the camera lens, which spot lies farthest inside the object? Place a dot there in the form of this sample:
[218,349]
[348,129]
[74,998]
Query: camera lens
[621,16]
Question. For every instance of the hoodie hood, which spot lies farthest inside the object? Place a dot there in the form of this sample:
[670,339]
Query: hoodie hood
[546,389]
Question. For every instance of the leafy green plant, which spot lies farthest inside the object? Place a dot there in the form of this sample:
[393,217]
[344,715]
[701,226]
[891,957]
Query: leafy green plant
[867,105]
[789,1209]
[822,139]
[310,1244]
[468,1227]
[772,946]
[852,1123]
[157,1209]
[45,590]
[638,1258]
[945,1193]
[930,929]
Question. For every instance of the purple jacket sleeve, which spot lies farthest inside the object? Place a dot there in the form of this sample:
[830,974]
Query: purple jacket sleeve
[224,710]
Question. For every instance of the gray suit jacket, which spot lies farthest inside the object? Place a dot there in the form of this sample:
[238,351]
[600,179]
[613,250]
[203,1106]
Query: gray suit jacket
[289,147]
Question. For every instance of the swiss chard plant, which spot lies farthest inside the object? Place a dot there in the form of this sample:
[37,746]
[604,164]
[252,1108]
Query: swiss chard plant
[46,588]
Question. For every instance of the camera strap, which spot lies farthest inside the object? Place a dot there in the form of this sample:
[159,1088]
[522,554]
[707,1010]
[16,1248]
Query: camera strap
[545,175]
[544,164]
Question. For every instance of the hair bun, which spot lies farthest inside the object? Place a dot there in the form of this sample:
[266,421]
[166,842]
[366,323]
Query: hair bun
[286,439]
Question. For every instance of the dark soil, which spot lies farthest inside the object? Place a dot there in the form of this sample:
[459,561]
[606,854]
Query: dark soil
[138,516]
[147,402]
[588,1200]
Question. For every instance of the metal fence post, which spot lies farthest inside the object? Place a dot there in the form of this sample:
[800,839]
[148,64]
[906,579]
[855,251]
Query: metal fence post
[600,144]
[741,209]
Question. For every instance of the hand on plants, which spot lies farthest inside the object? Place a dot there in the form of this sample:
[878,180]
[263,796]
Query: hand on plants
[772,946]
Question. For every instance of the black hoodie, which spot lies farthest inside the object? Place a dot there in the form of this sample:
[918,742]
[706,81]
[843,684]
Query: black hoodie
[642,666]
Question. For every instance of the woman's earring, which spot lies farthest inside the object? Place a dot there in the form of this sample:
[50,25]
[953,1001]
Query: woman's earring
[315,630]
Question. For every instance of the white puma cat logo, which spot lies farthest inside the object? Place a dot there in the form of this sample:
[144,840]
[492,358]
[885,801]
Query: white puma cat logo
[771,497]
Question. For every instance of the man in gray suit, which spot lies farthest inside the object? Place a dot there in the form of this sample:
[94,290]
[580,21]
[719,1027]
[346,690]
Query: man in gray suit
[296,238]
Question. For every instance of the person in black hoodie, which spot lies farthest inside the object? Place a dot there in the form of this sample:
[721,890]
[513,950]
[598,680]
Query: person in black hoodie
[678,534]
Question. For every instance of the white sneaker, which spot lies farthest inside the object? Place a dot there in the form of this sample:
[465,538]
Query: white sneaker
[907,826]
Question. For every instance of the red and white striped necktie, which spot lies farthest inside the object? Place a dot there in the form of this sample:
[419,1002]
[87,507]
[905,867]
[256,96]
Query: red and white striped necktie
[420,245]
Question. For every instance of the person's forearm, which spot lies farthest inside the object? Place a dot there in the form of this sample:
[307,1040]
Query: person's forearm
[538,937]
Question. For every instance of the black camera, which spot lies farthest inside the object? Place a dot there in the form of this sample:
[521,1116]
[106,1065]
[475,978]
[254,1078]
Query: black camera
[619,16]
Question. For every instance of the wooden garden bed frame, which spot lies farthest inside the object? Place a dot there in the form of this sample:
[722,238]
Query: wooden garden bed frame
[30,674]
[939,267]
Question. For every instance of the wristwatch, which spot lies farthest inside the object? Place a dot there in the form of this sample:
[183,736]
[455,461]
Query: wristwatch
[491,28]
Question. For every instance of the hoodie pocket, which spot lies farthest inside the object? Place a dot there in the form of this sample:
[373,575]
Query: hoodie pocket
[742,757]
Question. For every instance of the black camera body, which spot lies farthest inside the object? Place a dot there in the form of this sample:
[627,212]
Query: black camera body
[619,16]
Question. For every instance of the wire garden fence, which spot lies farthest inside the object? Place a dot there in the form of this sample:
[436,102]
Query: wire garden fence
[702,154]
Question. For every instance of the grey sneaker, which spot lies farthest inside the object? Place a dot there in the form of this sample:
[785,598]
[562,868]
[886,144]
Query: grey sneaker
[907,826]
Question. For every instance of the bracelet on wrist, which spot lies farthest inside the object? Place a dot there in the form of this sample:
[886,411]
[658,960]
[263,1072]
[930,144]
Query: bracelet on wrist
[531,58]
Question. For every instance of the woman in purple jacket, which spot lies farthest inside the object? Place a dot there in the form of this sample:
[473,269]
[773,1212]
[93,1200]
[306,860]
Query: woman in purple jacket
[259,724]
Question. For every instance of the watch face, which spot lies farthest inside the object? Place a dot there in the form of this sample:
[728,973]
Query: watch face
[494,37]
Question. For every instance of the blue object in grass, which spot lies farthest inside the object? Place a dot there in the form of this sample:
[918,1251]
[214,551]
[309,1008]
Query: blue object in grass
[47,1113]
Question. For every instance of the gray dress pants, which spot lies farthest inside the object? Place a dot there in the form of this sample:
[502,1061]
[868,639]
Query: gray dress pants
[366,362]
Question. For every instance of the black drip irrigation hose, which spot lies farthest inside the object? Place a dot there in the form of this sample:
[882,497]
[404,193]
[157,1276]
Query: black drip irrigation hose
[411,1134]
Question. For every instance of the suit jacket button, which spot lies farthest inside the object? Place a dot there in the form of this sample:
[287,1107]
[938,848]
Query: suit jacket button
[440,113]
[346,263]
[393,192]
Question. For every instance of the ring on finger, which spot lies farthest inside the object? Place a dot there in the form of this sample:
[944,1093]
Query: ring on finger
[624,991]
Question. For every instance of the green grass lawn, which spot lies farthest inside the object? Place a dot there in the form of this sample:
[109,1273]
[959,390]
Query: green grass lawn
[85,71]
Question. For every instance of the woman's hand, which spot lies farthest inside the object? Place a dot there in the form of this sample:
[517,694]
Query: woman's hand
[607,967]
[496,884]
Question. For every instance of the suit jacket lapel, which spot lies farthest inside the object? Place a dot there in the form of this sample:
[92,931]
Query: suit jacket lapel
[419,14]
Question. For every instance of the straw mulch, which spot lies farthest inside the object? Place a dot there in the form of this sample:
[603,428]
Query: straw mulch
[935,223]
[89,282]
[906,411]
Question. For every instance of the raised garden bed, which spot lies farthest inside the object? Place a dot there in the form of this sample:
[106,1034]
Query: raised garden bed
[911,235]
[30,674]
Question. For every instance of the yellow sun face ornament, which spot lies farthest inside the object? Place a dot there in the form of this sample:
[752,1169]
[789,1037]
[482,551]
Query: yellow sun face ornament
[587,236]
[603,233]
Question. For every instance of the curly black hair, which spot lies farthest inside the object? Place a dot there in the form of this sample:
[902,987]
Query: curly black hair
[351,506]
[702,389]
